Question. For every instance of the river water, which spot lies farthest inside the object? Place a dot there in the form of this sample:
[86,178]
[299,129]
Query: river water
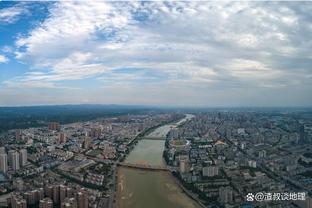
[150,189]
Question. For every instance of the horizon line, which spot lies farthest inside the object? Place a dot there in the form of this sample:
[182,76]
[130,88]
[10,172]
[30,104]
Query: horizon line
[150,105]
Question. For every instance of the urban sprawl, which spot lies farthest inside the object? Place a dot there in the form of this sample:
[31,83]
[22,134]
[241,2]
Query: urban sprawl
[220,159]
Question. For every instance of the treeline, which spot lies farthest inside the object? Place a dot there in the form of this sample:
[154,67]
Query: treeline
[35,116]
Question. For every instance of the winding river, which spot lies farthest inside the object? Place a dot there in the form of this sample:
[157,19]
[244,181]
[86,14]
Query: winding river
[150,189]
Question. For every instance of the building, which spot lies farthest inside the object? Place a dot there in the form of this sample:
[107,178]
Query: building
[252,163]
[23,157]
[69,203]
[184,165]
[54,126]
[3,162]
[95,132]
[18,134]
[262,154]
[82,199]
[49,191]
[14,162]
[2,150]
[34,196]
[87,142]
[63,194]
[304,203]
[46,203]
[17,201]
[225,195]
[56,194]
[302,135]
[62,138]
[210,171]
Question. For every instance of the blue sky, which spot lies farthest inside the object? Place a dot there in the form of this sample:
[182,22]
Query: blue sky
[156,53]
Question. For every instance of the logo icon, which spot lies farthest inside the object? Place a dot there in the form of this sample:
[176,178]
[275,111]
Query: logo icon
[250,197]
[259,197]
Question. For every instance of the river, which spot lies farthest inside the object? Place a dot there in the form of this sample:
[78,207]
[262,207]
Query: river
[151,189]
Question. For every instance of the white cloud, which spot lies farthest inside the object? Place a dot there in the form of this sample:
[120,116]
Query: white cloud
[11,14]
[3,59]
[192,45]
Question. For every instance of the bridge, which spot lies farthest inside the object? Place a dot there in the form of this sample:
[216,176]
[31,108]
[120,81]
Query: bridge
[143,166]
[153,138]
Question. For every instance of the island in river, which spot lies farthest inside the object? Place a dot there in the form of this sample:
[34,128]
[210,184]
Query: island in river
[152,189]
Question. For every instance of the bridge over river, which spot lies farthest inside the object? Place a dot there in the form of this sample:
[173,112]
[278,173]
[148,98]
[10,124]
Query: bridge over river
[143,166]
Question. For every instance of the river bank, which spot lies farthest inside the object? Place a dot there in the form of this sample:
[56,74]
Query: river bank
[153,189]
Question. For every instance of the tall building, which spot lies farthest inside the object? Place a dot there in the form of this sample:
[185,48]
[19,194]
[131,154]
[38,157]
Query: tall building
[82,199]
[62,138]
[17,201]
[54,126]
[302,135]
[226,195]
[3,162]
[34,196]
[14,160]
[23,157]
[95,132]
[49,191]
[18,134]
[63,193]
[46,203]
[210,171]
[70,192]
[87,142]
[2,150]
[56,194]
[184,165]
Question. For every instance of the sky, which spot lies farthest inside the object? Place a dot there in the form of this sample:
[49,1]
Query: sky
[156,53]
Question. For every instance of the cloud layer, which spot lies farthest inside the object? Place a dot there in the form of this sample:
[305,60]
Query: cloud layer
[177,53]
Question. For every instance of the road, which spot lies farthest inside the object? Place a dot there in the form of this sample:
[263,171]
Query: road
[294,185]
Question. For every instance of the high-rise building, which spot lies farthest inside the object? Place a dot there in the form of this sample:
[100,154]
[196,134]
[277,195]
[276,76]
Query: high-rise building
[62,138]
[56,194]
[184,165]
[2,150]
[18,134]
[87,142]
[70,192]
[54,126]
[34,196]
[40,193]
[17,201]
[63,193]
[23,157]
[225,195]
[82,199]
[49,191]
[3,162]
[95,132]
[14,160]
[46,203]
[210,171]
[302,135]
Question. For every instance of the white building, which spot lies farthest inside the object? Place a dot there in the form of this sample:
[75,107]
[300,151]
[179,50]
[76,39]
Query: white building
[23,157]
[210,171]
[14,160]
[3,163]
